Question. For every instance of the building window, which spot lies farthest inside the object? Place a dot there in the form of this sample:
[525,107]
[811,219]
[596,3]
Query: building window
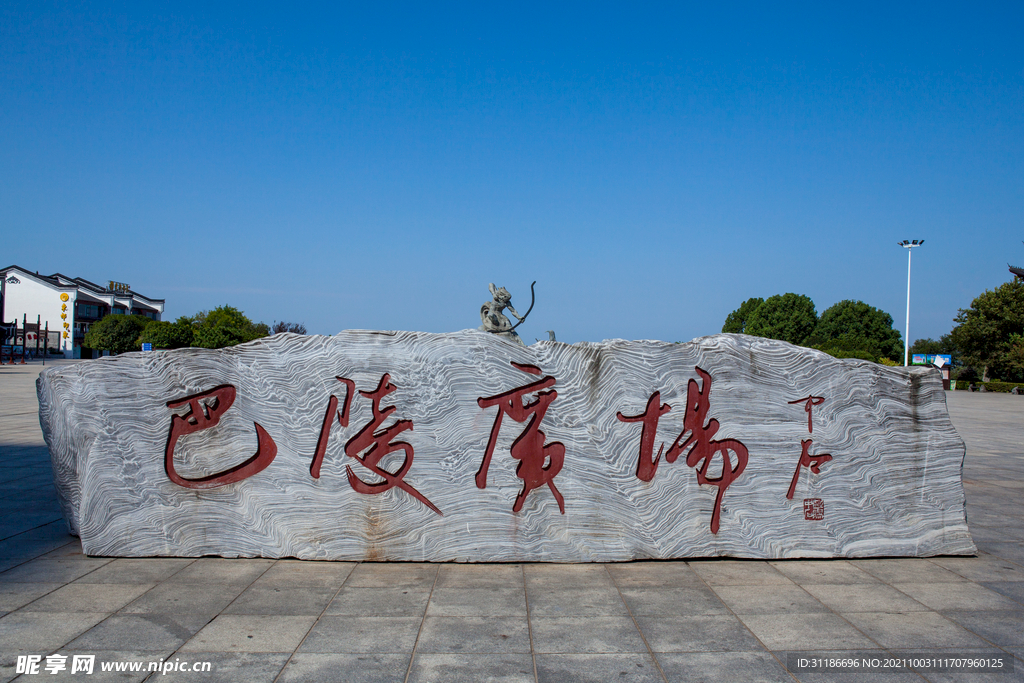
[88,311]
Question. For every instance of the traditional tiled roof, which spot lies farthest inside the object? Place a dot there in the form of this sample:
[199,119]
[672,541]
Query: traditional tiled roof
[59,280]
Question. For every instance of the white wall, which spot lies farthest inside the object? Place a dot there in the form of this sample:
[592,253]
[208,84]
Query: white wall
[31,297]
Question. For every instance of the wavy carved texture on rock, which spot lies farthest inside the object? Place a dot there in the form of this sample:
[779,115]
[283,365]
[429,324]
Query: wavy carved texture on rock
[893,487]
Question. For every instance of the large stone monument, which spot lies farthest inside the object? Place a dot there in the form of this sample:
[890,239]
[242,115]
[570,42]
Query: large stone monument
[464,447]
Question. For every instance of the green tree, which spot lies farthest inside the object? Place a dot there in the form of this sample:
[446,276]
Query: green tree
[945,344]
[848,347]
[736,322]
[789,317]
[858,330]
[927,345]
[116,333]
[167,335]
[989,333]
[225,326]
[295,328]
[1015,358]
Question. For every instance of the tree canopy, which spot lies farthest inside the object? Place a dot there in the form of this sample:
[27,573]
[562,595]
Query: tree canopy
[225,326]
[116,333]
[736,322]
[789,317]
[988,337]
[858,330]
[990,334]
[929,345]
[848,329]
[214,329]
[167,335]
[282,326]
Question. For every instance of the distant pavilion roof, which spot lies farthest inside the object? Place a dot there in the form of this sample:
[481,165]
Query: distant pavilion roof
[1019,272]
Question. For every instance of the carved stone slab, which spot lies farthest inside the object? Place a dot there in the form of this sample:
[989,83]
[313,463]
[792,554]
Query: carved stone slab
[289,446]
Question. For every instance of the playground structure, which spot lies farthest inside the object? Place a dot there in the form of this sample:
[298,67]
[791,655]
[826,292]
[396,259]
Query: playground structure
[31,340]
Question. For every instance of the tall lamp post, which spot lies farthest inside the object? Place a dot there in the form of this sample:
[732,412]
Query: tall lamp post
[908,245]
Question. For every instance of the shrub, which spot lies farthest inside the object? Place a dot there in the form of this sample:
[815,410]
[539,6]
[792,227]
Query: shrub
[116,333]
[282,326]
[840,350]
[166,335]
[225,326]
[998,387]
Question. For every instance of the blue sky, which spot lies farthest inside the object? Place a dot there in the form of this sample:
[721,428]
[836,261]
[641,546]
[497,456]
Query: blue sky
[375,165]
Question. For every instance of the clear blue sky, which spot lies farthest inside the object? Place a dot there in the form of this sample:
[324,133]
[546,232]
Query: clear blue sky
[376,165]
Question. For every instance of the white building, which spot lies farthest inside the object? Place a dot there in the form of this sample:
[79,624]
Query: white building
[69,305]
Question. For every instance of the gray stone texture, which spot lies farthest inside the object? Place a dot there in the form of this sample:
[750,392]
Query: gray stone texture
[675,620]
[891,486]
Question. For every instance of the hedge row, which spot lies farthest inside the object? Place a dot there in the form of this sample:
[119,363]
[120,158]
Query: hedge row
[999,387]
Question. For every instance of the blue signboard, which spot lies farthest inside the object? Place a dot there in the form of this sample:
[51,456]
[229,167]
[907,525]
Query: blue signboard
[146,346]
[940,359]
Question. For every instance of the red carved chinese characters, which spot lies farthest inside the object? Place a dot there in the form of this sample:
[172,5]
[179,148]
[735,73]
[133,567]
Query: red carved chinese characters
[701,443]
[703,448]
[528,448]
[646,466]
[807,460]
[325,429]
[809,403]
[204,412]
[813,462]
[377,444]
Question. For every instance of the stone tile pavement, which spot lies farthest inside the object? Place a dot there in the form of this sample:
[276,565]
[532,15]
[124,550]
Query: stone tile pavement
[709,620]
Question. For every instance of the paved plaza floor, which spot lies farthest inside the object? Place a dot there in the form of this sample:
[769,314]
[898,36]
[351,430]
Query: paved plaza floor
[708,620]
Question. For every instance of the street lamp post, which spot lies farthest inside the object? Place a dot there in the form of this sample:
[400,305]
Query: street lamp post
[908,245]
